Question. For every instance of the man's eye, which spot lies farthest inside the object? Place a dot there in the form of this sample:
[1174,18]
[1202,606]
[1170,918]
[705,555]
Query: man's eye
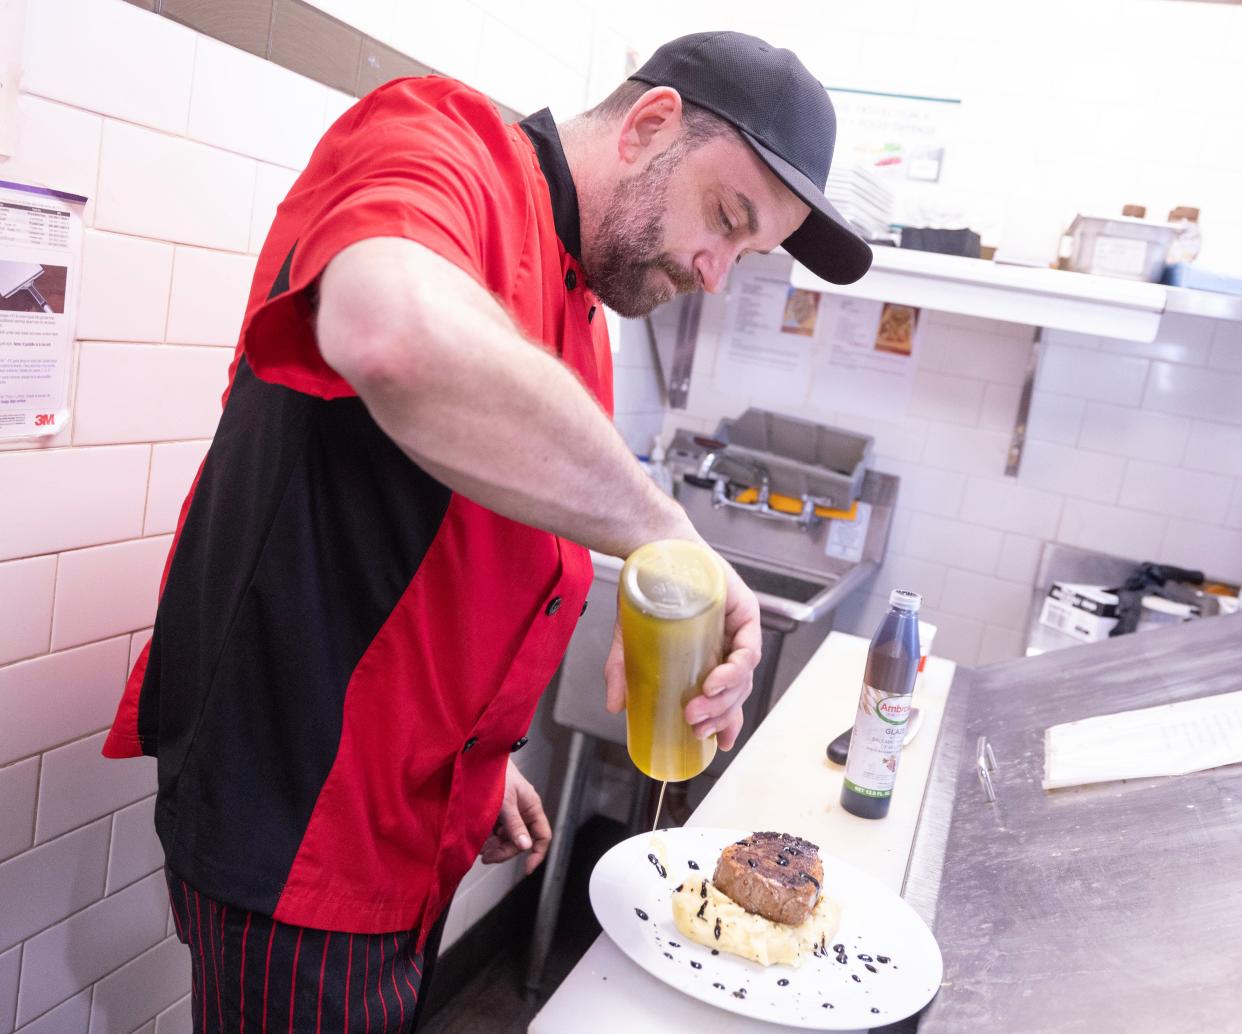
[725,222]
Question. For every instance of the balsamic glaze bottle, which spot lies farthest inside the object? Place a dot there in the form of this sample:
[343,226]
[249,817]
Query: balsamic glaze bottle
[883,709]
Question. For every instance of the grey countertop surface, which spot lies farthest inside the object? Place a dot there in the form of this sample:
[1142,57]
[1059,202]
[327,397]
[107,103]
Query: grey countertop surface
[1110,907]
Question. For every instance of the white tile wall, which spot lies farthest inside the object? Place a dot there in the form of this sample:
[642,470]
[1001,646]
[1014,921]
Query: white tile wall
[61,696]
[1072,472]
[1000,644]
[1188,391]
[1000,407]
[926,489]
[90,944]
[71,54]
[1111,529]
[136,565]
[49,882]
[1234,519]
[1124,431]
[898,572]
[986,599]
[243,103]
[949,399]
[173,468]
[1176,492]
[209,291]
[1180,339]
[966,449]
[116,403]
[1019,559]
[1090,375]
[135,850]
[145,987]
[77,784]
[1011,507]
[58,147]
[73,1015]
[125,283]
[173,189]
[26,588]
[965,546]
[1055,418]
[957,638]
[1218,551]
[136,643]
[19,785]
[1227,346]
[1214,447]
[272,183]
[75,497]
[176,1019]
[10,965]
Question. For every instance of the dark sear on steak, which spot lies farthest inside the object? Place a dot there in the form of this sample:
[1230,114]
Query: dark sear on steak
[774,875]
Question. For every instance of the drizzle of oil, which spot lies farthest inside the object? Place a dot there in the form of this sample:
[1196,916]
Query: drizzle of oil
[659,805]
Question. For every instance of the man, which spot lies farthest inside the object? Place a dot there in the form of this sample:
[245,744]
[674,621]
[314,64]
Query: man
[383,556]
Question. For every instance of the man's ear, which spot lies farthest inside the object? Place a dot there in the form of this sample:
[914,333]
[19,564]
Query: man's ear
[653,120]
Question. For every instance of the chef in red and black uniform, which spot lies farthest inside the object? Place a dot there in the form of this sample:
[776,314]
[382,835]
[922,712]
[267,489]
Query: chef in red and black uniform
[385,551]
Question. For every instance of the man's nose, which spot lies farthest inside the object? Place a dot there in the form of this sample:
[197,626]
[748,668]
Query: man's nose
[713,271]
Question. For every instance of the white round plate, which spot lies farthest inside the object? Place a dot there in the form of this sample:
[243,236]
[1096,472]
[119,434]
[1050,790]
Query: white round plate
[821,994]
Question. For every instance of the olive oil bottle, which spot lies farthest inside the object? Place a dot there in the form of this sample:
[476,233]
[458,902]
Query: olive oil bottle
[883,709]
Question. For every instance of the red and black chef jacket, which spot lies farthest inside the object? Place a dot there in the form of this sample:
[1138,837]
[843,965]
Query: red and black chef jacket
[346,651]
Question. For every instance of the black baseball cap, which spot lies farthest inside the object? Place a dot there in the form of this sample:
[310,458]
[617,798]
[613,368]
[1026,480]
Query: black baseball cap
[784,113]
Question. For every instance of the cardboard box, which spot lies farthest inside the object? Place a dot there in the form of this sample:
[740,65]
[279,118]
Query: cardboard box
[1086,612]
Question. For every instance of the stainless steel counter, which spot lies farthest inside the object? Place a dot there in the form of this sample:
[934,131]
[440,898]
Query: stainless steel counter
[1112,907]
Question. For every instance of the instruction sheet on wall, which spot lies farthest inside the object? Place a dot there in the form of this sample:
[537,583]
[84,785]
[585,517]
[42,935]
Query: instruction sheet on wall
[869,358]
[40,261]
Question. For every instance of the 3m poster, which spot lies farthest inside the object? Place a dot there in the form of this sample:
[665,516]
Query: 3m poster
[40,263]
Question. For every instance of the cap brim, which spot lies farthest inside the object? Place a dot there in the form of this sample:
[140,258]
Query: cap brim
[825,242]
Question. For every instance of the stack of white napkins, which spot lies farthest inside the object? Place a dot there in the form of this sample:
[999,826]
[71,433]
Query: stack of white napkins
[1172,739]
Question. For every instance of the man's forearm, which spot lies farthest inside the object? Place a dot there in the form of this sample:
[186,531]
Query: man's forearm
[446,375]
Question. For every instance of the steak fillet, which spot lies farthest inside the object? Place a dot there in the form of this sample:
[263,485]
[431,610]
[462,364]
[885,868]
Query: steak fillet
[774,875]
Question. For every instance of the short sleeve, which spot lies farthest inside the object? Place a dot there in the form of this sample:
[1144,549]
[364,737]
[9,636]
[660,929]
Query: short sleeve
[427,160]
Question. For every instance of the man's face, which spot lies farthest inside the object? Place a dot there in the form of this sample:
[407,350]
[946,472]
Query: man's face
[681,222]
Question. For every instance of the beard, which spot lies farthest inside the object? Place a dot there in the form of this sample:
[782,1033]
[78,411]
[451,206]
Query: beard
[627,266]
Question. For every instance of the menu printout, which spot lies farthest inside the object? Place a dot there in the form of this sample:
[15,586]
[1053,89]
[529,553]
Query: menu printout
[40,264]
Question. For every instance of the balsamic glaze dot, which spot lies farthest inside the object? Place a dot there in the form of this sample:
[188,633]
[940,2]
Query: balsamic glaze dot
[781,860]
[716,951]
[870,967]
[783,982]
[838,948]
[663,872]
[696,965]
[751,862]
[740,993]
[641,914]
[673,944]
[865,958]
[874,1009]
[667,955]
[856,978]
[828,1005]
[882,958]
[719,987]
[717,931]
[694,865]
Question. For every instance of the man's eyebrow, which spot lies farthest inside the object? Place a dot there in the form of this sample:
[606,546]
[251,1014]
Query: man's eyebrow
[752,217]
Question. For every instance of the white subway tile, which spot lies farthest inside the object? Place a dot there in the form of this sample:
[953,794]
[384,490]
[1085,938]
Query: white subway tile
[1011,507]
[60,697]
[1176,492]
[124,287]
[71,498]
[447,40]
[91,944]
[10,967]
[907,572]
[957,638]
[335,104]
[954,543]
[899,530]
[243,103]
[1180,339]
[176,1019]
[78,784]
[968,450]
[142,988]
[636,390]
[986,599]
[1227,346]
[173,468]
[26,588]
[111,58]
[1137,433]
[142,393]
[925,489]
[57,146]
[209,292]
[1092,375]
[1216,551]
[173,189]
[1000,358]
[47,883]
[136,643]
[899,437]
[105,590]
[978,326]
[1112,530]
[146,1028]
[71,1016]
[1019,559]
[1055,418]
[1069,339]
[999,411]
[136,850]
[1189,391]
[270,187]
[1072,472]
[1000,644]
[1216,448]
[942,397]
[19,787]
[1234,517]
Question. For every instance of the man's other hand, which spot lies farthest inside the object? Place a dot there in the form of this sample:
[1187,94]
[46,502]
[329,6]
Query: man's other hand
[521,825]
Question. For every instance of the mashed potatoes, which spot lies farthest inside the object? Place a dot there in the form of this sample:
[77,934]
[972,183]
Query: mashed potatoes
[707,916]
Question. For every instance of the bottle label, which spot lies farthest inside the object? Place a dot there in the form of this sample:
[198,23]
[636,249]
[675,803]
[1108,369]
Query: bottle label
[875,746]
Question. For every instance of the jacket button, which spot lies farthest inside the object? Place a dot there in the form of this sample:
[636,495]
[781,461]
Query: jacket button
[518,745]
[584,607]
[470,743]
[590,313]
[554,606]
[571,279]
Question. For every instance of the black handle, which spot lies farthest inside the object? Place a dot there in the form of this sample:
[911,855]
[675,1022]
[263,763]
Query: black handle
[839,748]
[698,482]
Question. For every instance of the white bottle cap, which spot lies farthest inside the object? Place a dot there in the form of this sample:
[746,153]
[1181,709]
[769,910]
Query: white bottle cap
[903,599]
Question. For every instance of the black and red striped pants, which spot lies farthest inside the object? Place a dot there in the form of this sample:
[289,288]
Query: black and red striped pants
[252,973]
